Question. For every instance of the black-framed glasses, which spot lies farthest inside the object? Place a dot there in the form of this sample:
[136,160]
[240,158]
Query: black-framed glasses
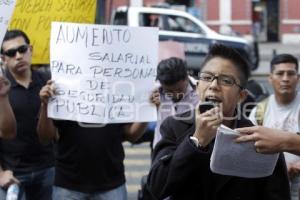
[12,52]
[222,79]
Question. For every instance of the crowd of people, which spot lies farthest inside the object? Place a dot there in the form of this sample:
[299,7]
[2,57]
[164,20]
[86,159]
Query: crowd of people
[59,159]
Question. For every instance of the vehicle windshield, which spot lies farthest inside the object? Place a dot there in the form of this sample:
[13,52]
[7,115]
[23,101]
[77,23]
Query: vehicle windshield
[120,18]
[169,23]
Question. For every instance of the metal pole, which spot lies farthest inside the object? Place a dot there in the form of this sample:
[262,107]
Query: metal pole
[100,12]
[274,53]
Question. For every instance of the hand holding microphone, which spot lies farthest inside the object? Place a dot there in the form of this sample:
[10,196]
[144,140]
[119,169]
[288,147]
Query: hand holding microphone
[208,119]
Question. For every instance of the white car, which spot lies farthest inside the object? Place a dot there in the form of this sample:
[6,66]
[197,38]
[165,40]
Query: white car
[182,27]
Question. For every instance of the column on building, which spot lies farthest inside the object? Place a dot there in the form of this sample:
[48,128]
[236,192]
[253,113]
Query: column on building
[230,16]
[290,21]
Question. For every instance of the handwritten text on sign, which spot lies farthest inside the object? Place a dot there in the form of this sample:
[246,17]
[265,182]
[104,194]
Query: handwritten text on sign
[6,10]
[35,17]
[103,74]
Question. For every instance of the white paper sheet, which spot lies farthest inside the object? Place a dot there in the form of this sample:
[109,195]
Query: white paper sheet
[6,10]
[103,74]
[239,159]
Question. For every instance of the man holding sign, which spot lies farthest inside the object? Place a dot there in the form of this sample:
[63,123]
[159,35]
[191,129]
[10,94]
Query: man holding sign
[31,162]
[94,102]
[89,159]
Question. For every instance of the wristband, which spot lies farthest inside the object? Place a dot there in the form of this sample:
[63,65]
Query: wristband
[195,141]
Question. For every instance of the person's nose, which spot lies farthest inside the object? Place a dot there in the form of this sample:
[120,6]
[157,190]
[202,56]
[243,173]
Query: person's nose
[214,83]
[19,55]
[285,77]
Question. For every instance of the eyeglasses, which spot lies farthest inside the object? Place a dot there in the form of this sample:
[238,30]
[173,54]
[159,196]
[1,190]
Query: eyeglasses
[225,80]
[12,52]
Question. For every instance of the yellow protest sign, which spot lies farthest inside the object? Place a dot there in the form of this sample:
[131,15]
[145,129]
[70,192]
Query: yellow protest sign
[35,16]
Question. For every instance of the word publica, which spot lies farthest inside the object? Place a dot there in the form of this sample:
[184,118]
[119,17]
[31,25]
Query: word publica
[68,108]
[95,36]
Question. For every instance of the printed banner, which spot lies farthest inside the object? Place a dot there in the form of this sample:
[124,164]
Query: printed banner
[34,17]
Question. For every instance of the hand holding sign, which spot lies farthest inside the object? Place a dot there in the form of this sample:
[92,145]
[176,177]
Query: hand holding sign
[46,92]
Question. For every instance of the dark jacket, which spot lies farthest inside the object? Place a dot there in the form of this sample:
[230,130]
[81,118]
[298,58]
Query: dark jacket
[181,170]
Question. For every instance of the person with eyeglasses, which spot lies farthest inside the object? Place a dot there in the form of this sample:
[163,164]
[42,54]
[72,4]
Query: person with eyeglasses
[281,110]
[30,162]
[181,160]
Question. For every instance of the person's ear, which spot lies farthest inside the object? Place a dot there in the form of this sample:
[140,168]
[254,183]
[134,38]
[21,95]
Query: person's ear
[243,95]
[3,59]
[197,88]
[31,48]
[270,78]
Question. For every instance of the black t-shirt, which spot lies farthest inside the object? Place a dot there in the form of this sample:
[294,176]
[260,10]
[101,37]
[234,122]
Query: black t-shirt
[24,153]
[89,159]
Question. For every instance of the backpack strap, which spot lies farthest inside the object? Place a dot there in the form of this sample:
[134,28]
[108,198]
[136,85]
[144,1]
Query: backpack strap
[261,108]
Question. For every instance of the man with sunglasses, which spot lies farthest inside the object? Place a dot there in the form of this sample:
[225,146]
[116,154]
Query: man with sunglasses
[31,162]
[181,160]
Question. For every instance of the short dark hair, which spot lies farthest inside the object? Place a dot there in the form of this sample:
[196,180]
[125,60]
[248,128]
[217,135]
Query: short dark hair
[171,70]
[12,34]
[241,64]
[283,58]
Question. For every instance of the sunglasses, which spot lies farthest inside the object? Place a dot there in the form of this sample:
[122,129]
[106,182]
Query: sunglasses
[12,52]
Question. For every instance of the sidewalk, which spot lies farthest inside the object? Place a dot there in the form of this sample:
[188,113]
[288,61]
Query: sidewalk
[267,51]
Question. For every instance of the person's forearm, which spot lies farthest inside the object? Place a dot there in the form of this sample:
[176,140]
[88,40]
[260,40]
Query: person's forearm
[7,119]
[134,131]
[291,143]
[46,129]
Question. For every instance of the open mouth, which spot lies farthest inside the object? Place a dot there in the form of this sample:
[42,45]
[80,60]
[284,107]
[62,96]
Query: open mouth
[213,99]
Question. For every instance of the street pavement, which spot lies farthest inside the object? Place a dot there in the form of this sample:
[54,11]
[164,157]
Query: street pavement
[137,164]
[268,50]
